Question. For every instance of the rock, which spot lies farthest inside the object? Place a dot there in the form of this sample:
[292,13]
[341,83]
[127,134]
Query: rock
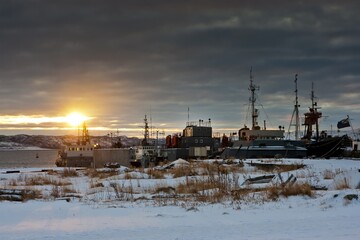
[350,197]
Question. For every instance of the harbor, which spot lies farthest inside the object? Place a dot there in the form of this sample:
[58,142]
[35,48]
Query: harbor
[41,158]
[197,141]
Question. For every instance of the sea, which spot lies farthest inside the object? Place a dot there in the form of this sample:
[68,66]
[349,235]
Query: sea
[28,158]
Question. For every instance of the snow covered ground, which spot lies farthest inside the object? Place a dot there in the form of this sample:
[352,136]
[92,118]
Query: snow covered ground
[99,213]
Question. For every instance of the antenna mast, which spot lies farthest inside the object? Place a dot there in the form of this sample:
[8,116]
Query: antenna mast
[254,111]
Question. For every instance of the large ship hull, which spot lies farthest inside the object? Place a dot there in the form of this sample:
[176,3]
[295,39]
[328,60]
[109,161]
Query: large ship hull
[266,149]
[330,147]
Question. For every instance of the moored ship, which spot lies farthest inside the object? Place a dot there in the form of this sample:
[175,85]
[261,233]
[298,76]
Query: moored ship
[320,144]
[261,142]
[80,154]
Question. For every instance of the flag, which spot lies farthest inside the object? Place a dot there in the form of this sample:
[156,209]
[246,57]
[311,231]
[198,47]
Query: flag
[343,123]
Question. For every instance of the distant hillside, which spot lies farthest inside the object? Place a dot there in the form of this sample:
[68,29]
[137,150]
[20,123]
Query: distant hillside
[57,142]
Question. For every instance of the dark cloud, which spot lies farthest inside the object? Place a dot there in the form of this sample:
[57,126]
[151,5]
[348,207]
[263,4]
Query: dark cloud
[119,59]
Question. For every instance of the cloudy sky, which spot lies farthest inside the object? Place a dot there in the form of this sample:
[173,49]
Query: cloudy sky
[116,61]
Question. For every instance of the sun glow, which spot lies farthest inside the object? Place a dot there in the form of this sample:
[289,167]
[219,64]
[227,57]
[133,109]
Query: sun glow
[75,119]
[40,121]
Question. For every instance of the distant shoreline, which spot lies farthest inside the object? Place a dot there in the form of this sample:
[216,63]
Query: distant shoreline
[27,149]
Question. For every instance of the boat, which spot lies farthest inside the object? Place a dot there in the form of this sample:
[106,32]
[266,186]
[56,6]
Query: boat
[148,152]
[80,154]
[264,148]
[320,144]
[260,142]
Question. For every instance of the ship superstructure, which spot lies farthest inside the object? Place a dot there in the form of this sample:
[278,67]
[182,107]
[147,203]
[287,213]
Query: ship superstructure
[256,132]
[80,154]
[261,142]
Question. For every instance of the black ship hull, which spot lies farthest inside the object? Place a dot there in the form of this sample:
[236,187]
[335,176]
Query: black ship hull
[329,147]
[266,149]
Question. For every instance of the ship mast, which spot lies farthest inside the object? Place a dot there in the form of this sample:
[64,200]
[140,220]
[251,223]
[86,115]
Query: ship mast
[145,141]
[314,107]
[296,113]
[85,137]
[312,117]
[254,111]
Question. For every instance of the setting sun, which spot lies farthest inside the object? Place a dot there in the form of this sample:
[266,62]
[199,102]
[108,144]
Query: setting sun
[75,119]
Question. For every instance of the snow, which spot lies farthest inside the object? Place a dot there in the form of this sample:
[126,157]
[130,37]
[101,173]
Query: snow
[175,164]
[326,215]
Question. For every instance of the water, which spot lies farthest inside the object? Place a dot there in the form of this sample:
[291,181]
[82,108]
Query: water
[28,158]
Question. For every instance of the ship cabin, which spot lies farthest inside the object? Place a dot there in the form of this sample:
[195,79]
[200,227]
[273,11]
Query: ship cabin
[198,134]
[246,134]
[80,151]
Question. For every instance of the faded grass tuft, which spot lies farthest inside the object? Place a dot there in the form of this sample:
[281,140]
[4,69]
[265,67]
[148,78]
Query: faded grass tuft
[121,192]
[328,174]
[94,173]
[275,191]
[69,172]
[61,191]
[342,183]
[37,180]
[182,171]
[156,174]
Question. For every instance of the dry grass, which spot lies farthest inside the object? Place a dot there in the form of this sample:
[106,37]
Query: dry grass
[213,196]
[94,173]
[156,174]
[69,172]
[307,173]
[95,184]
[212,189]
[342,183]
[13,182]
[37,180]
[208,168]
[167,190]
[288,167]
[134,175]
[202,182]
[216,168]
[182,171]
[121,192]
[328,174]
[23,195]
[274,167]
[31,194]
[275,191]
[61,191]
[194,186]
[243,193]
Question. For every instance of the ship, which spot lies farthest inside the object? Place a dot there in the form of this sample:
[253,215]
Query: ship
[320,144]
[257,142]
[195,142]
[148,152]
[80,154]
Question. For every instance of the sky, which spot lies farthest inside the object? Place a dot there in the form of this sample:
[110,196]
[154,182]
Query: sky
[117,61]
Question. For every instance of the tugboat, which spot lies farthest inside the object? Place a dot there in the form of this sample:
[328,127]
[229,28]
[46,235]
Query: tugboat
[79,155]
